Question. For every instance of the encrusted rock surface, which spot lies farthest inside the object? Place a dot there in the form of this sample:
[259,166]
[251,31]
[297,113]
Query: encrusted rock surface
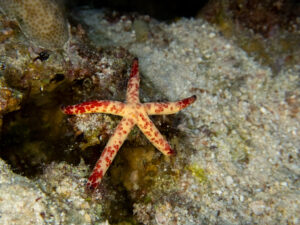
[57,197]
[42,21]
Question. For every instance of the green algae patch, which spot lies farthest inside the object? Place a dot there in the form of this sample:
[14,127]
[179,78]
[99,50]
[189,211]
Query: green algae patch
[199,173]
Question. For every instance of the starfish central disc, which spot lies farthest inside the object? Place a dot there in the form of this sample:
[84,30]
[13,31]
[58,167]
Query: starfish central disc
[132,111]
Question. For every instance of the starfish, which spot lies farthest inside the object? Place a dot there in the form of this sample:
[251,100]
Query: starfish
[133,113]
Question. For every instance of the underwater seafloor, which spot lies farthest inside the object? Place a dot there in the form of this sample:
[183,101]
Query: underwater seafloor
[237,146]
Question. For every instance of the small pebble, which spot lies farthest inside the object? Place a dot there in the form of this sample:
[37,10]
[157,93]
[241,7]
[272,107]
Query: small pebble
[229,180]
[258,207]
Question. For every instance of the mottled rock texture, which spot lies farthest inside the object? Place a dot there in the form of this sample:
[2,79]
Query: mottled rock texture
[42,21]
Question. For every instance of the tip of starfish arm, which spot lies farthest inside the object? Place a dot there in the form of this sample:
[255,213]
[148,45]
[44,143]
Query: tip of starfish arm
[134,67]
[91,186]
[193,98]
[94,180]
[187,101]
[171,152]
[66,109]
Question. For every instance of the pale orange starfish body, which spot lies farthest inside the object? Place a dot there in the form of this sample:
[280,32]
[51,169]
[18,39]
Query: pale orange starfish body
[133,113]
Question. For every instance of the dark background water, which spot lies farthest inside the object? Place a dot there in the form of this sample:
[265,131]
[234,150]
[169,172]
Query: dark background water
[163,10]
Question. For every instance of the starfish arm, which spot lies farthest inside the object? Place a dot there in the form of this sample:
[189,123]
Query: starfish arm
[153,134]
[133,85]
[111,107]
[160,108]
[112,147]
